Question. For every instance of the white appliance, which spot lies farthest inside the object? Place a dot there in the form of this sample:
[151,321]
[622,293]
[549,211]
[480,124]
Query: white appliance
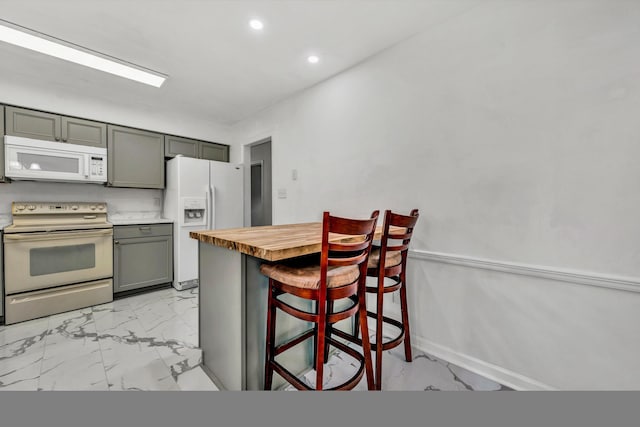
[58,257]
[33,159]
[200,194]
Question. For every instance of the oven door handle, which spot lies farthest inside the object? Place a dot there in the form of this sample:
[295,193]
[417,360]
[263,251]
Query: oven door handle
[53,235]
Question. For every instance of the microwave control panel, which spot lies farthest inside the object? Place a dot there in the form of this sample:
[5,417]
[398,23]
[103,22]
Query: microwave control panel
[98,167]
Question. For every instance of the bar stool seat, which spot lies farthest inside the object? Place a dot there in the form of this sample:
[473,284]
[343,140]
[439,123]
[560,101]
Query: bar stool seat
[391,259]
[340,275]
[308,277]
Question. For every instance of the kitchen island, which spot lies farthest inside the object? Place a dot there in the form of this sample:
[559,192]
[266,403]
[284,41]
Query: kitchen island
[233,300]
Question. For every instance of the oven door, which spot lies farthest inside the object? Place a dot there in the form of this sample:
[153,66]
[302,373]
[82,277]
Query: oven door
[43,260]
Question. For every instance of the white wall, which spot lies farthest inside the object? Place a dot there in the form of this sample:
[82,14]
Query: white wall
[120,201]
[122,113]
[513,128]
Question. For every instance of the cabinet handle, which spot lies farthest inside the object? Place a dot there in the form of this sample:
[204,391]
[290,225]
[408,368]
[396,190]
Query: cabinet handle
[144,228]
[116,242]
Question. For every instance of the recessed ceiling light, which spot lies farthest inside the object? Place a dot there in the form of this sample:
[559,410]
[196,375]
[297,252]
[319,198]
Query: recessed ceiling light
[313,59]
[256,24]
[29,39]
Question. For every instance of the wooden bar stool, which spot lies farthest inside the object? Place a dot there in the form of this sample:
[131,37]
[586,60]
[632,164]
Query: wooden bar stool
[340,275]
[389,261]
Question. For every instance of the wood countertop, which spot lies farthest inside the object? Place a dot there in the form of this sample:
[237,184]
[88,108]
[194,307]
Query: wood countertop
[271,242]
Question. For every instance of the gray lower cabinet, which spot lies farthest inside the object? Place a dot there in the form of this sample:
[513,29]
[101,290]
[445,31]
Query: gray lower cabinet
[174,145]
[135,158]
[54,127]
[142,256]
[2,144]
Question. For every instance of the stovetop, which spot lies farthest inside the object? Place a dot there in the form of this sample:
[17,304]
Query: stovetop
[55,209]
[57,216]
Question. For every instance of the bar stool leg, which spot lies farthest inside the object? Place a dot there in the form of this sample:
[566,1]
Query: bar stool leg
[320,343]
[364,331]
[328,332]
[270,347]
[379,327]
[356,326]
[405,314]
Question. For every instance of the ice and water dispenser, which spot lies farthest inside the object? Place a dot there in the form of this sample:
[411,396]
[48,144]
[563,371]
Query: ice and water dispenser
[194,211]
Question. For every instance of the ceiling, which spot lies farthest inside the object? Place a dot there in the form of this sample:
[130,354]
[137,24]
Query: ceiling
[218,67]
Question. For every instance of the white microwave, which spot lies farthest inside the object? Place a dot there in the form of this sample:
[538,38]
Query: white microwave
[33,159]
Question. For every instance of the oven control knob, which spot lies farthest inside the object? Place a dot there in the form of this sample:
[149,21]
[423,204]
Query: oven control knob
[31,207]
[20,207]
[101,207]
[74,207]
[92,207]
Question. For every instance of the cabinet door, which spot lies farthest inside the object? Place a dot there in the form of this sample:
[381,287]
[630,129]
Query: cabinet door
[1,149]
[135,158]
[142,262]
[32,124]
[84,132]
[211,151]
[174,145]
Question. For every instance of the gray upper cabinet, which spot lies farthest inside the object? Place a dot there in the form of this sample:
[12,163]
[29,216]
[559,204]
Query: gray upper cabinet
[84,132]
[54,127]
[1,147]
[32,124]
[211,151]
[174,145]
[135,158]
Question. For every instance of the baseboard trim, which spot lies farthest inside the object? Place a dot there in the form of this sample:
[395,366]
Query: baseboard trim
[622,283]
[493,372]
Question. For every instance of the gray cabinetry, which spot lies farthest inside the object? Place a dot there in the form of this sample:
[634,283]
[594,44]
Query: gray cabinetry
[211,151]
[53,127]
[84,132]
[32,124]
[142,256]
[175,145]
[136,158]
[1,144]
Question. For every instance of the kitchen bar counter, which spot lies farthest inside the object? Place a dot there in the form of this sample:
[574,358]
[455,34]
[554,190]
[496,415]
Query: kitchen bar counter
[233,299]
[272,242]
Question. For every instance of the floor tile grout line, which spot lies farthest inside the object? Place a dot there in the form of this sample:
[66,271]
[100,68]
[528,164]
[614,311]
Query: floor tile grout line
[104,367]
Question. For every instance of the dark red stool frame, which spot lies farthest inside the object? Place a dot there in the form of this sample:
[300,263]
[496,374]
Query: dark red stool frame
[397,273]
[355,252]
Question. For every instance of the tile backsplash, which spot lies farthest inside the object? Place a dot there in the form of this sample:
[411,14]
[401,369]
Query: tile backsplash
[120,201]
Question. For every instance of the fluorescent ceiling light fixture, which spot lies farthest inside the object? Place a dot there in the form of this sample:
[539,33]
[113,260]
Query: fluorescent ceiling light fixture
[256,24]
[313,59]
[32,40]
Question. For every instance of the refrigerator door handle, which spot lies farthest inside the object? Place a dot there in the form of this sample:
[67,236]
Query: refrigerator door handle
[207,210]
[212,210]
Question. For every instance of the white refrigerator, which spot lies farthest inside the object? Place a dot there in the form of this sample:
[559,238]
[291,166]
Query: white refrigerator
[200,194]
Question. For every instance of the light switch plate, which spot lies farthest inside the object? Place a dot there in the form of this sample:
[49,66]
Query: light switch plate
[282,193]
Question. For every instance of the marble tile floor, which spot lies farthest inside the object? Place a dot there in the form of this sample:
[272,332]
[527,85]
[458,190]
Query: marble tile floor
[425,372]
[149,342]
[143,342]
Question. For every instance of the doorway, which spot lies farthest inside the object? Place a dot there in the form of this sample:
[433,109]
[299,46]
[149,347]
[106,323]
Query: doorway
[261,183]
